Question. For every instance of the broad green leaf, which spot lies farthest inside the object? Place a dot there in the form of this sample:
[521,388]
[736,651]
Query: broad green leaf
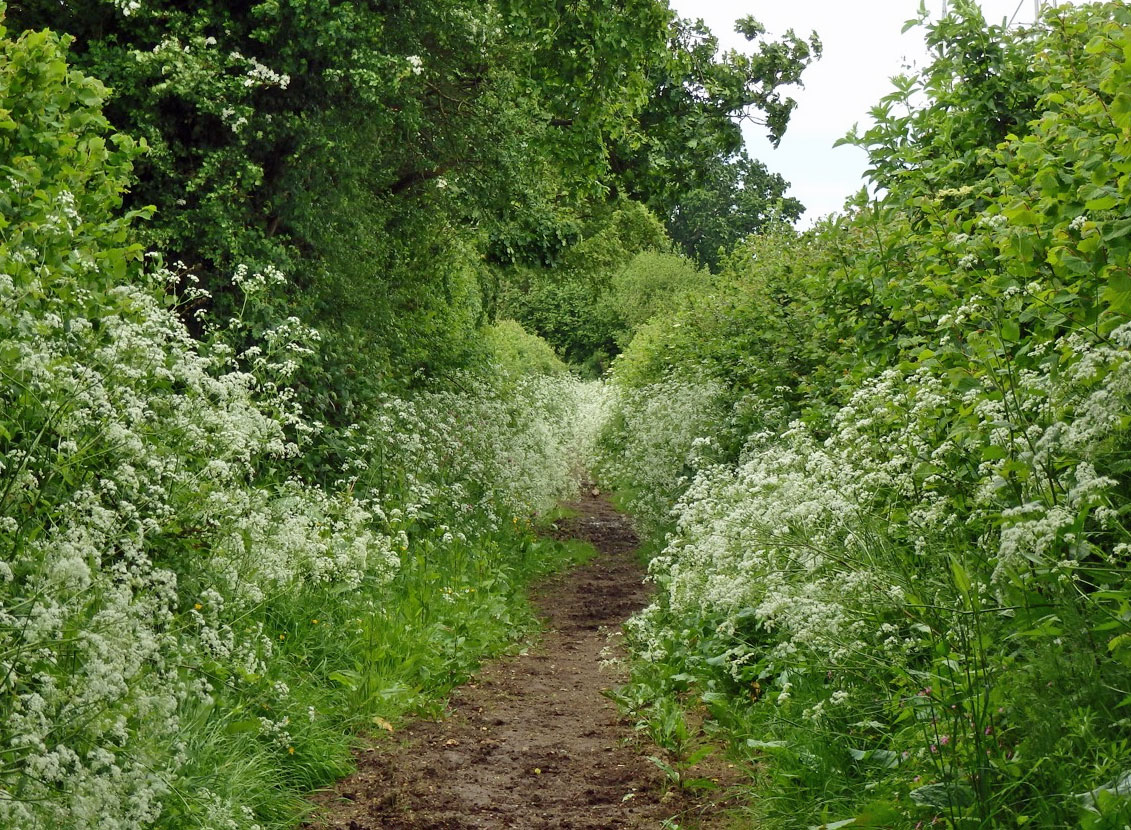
[1106,202]
[1116,230]
[961,577]
[1121,110]
[1117,294]
[943,796]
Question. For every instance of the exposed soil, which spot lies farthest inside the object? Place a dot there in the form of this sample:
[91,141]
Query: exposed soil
[531,742]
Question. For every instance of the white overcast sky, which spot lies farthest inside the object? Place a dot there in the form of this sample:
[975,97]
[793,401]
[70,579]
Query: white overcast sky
[863,49]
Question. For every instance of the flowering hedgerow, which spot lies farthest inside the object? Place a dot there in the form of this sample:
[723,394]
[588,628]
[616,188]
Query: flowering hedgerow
[910,603]
[164,570]
[655,442]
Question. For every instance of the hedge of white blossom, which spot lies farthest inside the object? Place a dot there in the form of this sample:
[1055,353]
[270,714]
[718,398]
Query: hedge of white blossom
[885,462]
[183,613]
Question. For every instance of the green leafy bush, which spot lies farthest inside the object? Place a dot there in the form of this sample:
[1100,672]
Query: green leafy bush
[652,283]
[189,627]
[518,352]
[900,585]
[571,304]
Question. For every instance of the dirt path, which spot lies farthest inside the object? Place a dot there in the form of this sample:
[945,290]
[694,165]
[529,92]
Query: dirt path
[531,742]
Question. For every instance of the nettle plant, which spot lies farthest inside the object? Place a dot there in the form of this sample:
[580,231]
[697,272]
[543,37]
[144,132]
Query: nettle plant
[915,605]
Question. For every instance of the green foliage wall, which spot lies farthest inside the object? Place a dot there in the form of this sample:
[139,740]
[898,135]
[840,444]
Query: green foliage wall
[195,613]
[377,152]
[519,352]
[570,304]
[652,283]
[362,148]
[751,328]
[897,571]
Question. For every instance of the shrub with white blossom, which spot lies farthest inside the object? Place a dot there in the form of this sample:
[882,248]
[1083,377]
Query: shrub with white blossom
[180,608]
[905,597]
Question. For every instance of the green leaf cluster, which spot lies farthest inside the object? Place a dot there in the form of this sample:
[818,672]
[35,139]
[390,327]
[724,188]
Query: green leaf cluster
[688,165]
[62,234]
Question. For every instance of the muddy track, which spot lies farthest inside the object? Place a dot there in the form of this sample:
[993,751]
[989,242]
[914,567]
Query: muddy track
[531,742]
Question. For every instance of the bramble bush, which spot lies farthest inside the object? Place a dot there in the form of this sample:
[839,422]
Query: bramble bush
[902,594]
[194,615]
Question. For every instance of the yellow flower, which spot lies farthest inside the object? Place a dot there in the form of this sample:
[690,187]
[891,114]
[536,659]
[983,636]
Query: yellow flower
[314,622]
[290,750]
[197,607]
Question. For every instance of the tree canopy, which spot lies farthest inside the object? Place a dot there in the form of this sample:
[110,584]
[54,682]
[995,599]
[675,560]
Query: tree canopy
[389,156]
